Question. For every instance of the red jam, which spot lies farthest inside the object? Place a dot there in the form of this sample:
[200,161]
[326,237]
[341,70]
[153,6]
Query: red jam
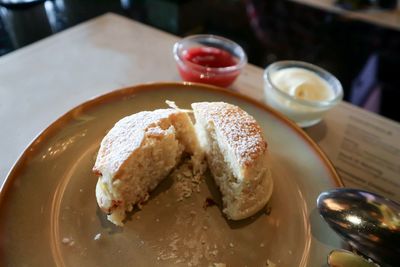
[208,57]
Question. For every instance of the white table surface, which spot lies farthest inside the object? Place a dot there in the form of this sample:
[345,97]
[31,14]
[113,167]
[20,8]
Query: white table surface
[44,80]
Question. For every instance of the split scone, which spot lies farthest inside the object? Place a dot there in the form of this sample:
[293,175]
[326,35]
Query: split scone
[139,152]
[237,157]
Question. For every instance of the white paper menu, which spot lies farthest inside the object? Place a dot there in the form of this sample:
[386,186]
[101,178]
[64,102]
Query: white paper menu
[364,147]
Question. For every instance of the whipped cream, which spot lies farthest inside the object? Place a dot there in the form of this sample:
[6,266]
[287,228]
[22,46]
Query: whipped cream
[312,95]
[302,84]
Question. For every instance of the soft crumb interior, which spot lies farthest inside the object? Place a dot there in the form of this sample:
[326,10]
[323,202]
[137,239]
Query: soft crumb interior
[160,153]
[223,175]
[187,137]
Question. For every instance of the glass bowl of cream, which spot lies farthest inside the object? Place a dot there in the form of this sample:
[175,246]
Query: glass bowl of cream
[302,91]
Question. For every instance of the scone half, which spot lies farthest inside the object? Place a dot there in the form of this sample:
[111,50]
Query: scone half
[237,156]
[137,154]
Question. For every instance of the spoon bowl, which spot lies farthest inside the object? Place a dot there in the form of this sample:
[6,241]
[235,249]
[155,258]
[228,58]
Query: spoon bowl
[368,222]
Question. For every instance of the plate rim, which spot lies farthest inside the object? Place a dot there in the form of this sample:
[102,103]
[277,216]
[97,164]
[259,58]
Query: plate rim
[128,91]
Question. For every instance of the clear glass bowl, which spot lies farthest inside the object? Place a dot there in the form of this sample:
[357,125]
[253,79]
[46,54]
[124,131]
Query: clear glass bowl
[304,112]
[223,75]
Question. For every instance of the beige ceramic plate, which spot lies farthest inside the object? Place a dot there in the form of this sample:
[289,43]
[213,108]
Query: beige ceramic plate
[49,215]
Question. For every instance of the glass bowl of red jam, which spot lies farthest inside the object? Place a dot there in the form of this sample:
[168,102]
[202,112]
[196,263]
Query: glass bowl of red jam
[209,59]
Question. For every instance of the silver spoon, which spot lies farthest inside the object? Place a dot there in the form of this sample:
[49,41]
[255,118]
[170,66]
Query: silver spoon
[344,258]
[368,222]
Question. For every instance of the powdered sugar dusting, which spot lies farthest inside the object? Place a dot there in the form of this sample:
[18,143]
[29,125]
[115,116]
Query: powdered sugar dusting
[241,130]
[127,136]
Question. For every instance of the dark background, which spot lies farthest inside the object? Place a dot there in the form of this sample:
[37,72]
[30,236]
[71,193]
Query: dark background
[364,57]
